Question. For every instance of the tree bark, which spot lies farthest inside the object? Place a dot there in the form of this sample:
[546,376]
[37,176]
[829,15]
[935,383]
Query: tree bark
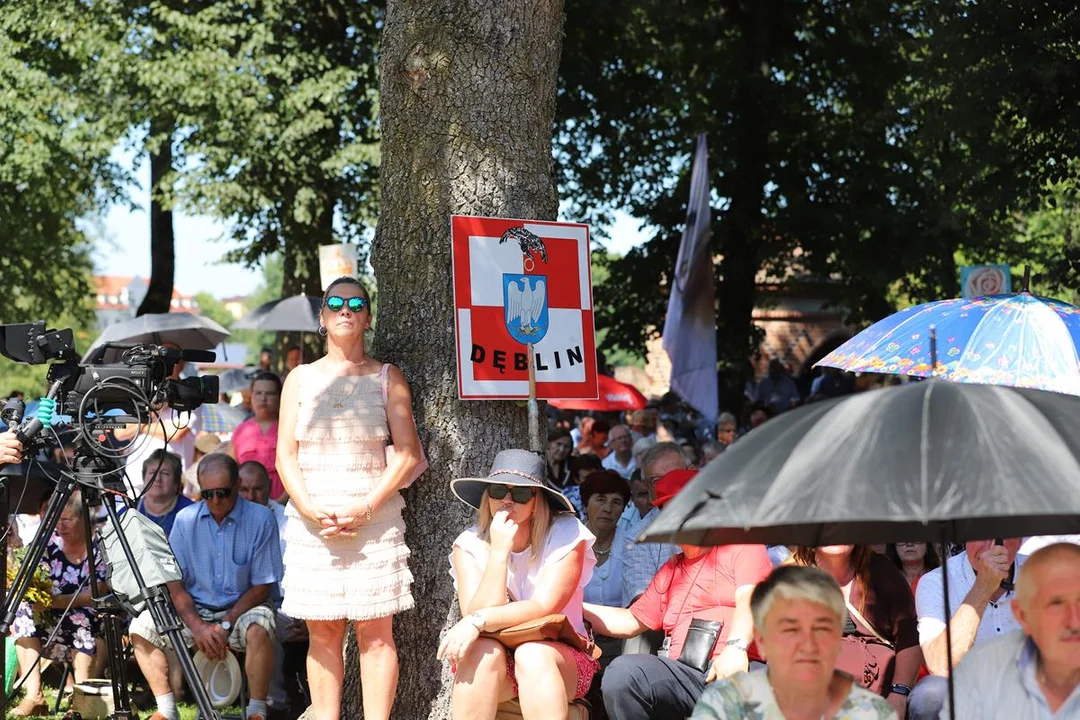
[159,290]
[468,101]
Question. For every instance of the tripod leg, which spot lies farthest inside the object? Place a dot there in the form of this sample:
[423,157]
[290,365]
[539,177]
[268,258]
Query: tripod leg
[168,624]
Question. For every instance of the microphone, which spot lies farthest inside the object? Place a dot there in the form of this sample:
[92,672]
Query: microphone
[36,424]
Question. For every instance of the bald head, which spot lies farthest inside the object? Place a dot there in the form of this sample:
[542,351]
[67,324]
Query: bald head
[1032,572]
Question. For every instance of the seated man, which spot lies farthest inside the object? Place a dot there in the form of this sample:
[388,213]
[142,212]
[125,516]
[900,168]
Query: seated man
[1033,673]
[979,590]
[700,583]
[224,599]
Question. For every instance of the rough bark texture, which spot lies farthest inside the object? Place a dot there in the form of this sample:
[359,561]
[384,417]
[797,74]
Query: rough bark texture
[468,100]
[159,290]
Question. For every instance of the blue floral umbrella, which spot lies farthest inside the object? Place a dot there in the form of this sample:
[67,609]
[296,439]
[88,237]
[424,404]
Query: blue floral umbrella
[1018,340]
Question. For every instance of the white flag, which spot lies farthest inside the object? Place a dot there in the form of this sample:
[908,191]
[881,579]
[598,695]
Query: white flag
[690,327]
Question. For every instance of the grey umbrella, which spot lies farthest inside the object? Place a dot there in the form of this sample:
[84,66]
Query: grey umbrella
[917,462]
[299,313]
[190,332]
[933,460]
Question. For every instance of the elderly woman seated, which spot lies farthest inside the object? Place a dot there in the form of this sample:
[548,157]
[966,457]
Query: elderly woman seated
[67,628]
[798,623]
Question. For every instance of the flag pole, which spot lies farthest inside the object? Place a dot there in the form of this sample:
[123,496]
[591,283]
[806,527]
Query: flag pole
[533,406]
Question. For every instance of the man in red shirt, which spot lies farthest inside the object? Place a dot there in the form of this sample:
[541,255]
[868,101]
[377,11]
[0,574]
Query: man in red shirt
[698,583]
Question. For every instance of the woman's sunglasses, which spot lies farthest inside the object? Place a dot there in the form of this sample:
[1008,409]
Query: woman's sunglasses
[519,495]
[334,303]
[221,493]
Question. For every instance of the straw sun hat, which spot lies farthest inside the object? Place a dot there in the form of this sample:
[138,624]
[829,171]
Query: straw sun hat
[519,468]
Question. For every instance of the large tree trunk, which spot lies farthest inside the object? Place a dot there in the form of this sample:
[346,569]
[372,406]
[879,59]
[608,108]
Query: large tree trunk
[159,291]
[468,101]
[742,227]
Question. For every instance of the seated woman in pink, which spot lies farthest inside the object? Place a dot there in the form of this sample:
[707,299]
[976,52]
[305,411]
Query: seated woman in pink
[527,556]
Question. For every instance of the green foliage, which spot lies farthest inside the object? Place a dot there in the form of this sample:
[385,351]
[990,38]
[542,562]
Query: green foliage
[277,109]
[857,146]
[54,167]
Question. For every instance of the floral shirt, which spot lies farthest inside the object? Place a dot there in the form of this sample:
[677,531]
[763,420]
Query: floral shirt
[749,696]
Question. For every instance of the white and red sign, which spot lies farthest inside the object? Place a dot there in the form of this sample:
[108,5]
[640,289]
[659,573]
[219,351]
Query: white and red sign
[518,282]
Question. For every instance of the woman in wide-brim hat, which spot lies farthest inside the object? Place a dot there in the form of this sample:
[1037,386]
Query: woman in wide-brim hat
[526,556]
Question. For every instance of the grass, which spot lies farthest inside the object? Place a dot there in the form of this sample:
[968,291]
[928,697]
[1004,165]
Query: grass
[187,710]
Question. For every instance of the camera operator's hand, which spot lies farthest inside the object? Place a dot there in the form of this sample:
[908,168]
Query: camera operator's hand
[212,639]
[10,448]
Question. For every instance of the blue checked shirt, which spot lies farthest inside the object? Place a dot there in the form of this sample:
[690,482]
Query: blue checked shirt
[640,560]
[222,562]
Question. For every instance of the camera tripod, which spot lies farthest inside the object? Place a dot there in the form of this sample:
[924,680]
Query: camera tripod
[91,474]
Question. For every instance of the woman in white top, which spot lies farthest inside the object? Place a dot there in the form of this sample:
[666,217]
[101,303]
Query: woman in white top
[527,556]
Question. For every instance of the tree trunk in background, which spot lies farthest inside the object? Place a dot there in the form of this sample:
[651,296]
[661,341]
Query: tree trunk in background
[468,101]
[742,227]
[159,291]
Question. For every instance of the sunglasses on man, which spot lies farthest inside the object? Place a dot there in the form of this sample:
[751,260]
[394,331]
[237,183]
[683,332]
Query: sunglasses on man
[520,495]
[335,303]
[220,493]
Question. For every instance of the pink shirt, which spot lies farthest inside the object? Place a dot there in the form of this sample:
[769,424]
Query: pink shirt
[250,443]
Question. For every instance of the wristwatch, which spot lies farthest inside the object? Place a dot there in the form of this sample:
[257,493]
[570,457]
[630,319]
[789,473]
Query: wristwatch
[901,689]
[476,619]
[226,625]
[736,643]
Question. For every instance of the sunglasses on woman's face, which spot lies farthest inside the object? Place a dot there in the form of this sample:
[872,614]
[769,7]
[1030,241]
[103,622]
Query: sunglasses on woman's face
[220,493]
[334,303]
[519,495]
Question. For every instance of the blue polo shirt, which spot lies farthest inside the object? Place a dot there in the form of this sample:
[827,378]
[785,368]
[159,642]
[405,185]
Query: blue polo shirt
[222,562]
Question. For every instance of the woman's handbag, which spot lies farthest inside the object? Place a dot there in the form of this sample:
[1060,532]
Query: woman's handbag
[700,642]
[549,628]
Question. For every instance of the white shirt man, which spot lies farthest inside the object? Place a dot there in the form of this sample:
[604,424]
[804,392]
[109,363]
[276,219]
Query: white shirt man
[978,609]
[621,459]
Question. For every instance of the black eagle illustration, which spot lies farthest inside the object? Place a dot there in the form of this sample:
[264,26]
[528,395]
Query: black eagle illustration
[527,241]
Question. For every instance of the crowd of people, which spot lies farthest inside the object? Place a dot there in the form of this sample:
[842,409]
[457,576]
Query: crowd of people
[290,529]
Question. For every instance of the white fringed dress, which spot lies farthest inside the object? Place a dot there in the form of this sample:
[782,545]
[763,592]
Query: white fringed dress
[342,434]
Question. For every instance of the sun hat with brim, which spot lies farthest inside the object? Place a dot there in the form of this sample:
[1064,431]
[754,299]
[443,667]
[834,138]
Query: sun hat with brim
[221,678]
[519,468]
[670,484]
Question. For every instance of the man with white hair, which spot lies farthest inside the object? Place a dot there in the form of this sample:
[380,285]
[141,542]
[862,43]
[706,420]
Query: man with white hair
[621,458]
[1032,673]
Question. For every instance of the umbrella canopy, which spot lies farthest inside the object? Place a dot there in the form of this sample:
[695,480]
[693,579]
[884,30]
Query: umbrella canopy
[299,313]
[220,417]
[920,461]
[190,332]
[613,397]
[236,379]
[1017,340]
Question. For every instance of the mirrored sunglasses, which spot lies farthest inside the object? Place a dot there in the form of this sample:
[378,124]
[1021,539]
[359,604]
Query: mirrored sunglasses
[334,303]
[519,495]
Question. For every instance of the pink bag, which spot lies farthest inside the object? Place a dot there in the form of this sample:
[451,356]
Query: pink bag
[423,464]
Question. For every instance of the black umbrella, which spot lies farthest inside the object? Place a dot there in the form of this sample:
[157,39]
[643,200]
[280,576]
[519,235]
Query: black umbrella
[934,461]
[299,313]
[918,462]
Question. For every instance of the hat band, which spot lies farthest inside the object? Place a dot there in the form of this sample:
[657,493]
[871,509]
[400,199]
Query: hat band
[515,472]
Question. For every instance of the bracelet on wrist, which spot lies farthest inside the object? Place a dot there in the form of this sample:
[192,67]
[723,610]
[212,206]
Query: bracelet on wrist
[901,689]
[736,643]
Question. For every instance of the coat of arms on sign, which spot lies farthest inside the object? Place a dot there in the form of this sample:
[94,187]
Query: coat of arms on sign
[525,295]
